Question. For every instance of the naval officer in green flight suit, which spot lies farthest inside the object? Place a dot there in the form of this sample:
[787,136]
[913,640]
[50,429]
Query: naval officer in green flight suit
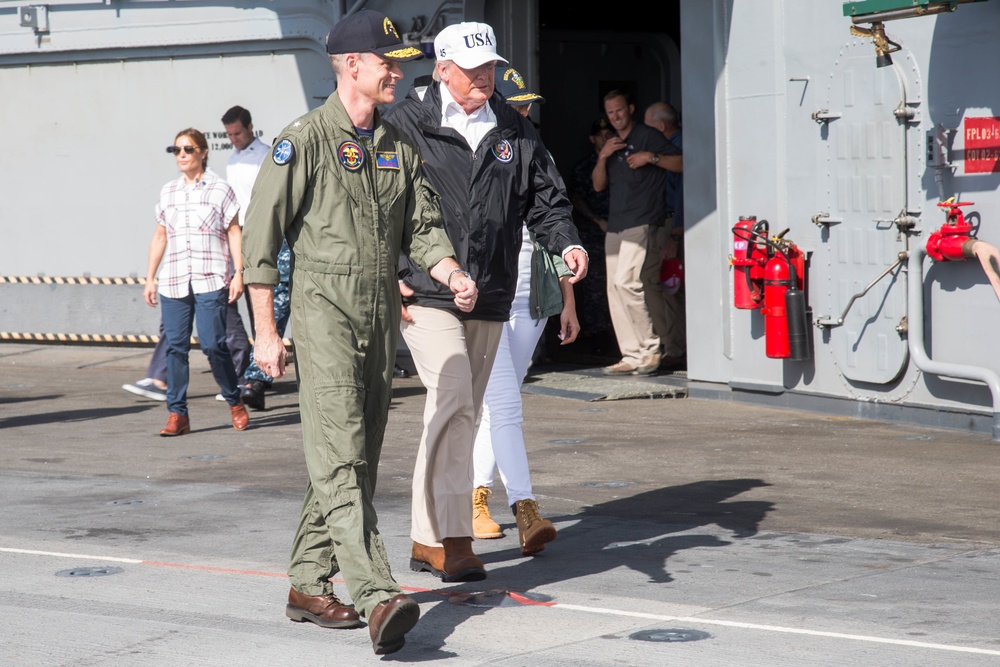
[347,192]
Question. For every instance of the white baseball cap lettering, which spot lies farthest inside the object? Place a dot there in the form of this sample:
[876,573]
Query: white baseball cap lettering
[468,45]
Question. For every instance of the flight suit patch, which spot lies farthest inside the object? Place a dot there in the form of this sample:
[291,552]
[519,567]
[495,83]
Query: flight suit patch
[283,152]
[351,155]
[386,160]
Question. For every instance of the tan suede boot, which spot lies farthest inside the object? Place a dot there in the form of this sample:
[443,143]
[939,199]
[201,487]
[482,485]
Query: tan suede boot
[533,530]
[483,525]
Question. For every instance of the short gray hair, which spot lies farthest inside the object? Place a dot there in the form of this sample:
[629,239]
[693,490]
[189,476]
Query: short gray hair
[664,113]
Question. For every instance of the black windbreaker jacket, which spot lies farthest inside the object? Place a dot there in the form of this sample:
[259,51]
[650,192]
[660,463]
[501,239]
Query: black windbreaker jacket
[486,196]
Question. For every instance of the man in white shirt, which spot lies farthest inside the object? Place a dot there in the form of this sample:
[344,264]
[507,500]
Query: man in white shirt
[249,152]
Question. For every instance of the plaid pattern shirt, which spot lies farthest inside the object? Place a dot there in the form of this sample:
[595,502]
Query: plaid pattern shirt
[196,217]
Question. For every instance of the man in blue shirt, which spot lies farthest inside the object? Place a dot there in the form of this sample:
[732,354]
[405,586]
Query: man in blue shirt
[663,117]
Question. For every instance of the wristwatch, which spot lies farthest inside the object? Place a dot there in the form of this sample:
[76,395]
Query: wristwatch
[656,158]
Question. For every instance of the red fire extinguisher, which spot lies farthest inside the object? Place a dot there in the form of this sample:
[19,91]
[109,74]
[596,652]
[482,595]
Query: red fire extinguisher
[749,256]
[785,319]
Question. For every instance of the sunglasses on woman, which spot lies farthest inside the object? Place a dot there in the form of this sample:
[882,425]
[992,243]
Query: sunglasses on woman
[177,149]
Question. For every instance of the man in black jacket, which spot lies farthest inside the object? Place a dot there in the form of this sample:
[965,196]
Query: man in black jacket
[491,171]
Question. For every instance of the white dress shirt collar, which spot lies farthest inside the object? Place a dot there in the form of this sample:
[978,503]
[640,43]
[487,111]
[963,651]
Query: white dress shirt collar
[473,127]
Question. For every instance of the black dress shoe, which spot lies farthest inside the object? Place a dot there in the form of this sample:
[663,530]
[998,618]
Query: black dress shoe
[252,394]
[400,372]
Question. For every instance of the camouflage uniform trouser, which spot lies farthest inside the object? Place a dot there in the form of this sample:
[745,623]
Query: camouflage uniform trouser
[282,308]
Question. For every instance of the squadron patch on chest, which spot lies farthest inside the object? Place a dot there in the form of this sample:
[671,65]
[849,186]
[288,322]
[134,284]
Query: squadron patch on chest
[283,152]
[351,155]
[503,151]
[386,160]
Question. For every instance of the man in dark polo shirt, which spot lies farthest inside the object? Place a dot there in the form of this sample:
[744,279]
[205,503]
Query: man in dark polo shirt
[633,164]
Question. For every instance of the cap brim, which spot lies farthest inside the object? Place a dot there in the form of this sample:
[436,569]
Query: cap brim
[400,53]
[473,60]
[525,98]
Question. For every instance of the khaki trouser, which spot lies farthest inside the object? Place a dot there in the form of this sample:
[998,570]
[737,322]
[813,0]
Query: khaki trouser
[453,358]
[632,258]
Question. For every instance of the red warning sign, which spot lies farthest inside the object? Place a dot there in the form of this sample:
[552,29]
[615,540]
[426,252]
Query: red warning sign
[982,145]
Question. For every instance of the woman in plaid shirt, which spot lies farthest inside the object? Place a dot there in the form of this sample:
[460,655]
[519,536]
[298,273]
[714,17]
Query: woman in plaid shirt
[198,241]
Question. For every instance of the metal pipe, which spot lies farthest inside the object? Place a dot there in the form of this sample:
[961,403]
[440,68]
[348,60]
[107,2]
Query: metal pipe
[915,339]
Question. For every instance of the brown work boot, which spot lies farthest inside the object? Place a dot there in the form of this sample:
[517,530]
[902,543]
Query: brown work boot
[454,561]
[389,621]
[533,530]
[176,425]
[240,416]
[326,611]
[483,525]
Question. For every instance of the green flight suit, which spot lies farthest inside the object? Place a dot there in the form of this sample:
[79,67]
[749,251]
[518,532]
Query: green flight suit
[347,210]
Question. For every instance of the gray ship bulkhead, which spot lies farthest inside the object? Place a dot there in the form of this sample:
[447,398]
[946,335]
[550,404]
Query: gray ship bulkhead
[785,115]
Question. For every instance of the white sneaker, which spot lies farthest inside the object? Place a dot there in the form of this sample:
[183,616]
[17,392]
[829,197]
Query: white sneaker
[220,397]
[147,389]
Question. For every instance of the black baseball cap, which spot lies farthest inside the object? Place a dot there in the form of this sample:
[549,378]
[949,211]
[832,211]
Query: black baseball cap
[511,85]
[600,125]
[368,31]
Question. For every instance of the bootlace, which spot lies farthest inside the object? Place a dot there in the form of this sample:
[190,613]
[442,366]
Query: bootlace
[333,600]
[480,503]
[529,511]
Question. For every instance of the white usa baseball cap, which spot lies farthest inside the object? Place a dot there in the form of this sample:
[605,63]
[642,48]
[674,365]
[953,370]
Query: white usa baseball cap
[468,45]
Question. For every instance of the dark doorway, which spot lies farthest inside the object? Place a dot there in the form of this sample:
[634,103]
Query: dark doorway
[583,55]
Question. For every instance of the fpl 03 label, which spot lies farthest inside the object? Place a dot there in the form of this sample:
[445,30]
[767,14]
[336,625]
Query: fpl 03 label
[982,145]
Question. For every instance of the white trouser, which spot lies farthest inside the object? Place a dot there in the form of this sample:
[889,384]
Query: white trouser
[499,440]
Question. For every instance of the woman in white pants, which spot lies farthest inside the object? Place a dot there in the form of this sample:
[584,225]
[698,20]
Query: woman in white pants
[543,290]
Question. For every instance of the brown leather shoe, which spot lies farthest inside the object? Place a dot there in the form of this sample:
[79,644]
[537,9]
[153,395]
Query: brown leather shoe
[648,365]
[389,621]
[621,368]
[326,611]
[240,416]
[176,425]
[533,530]
[452,562]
